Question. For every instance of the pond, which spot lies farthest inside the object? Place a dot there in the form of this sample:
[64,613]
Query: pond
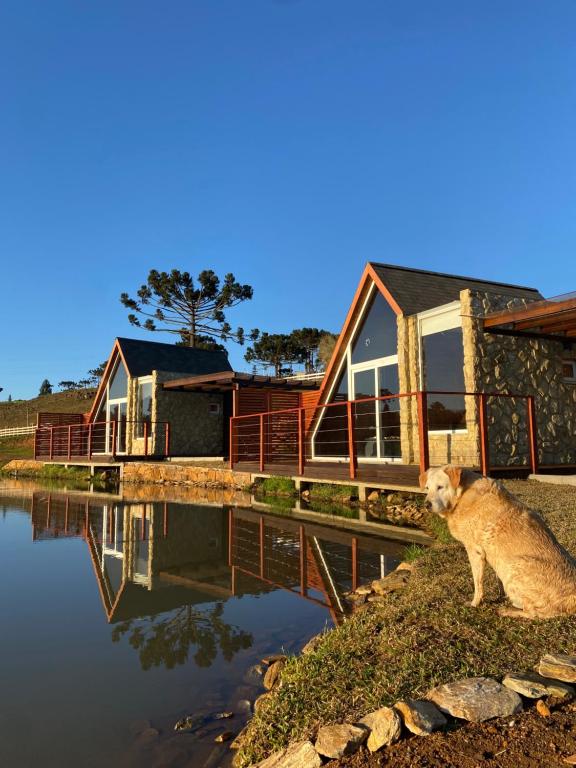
[120,617]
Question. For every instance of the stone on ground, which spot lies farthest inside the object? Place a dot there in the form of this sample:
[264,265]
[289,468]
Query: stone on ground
[384,725]
[534,686]
[558,666]
[476,699]
[338,740]
[392,582]
[299,755]
[312,644]
[419,716]
[272,676]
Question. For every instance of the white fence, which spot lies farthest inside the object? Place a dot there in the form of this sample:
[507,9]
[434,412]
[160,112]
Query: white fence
[15,431]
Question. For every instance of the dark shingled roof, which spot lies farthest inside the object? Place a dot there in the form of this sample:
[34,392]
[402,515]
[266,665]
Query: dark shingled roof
[143,357]
[416,290]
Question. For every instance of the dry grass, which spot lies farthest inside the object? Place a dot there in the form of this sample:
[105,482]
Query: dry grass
[16,448]
[422,637]
[20,413]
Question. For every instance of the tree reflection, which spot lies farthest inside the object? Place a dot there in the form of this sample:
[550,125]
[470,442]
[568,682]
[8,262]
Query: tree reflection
[166,641]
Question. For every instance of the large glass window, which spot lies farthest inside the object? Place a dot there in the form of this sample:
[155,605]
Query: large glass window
[144,407]
[118,386]
[443,369]
[377,335]
[365,413]
[389,412]
[332,434]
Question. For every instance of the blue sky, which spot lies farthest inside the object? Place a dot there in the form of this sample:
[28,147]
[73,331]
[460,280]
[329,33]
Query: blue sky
[287,141]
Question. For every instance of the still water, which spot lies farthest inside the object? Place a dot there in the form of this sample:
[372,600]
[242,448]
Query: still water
[120,617]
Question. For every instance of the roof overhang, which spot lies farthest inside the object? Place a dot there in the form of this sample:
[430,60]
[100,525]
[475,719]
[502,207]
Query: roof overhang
[551,319]
[229,380]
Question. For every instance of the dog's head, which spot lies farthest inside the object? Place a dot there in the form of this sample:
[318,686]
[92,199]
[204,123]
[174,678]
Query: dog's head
[443,486]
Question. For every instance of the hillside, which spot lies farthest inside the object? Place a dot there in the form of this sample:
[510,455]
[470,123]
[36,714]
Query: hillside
[20,413]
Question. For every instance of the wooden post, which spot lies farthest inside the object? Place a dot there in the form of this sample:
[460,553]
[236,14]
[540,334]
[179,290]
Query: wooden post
[351,441]
[483,423]
[262,443]
[303,563]
[66,513]
[113,451]
[231,446]
[422,400]
[143,534]
[70,441]
[532,434]
[145,438]
[48,507]
[90,440]
[354,563]
[262,542]
[230,535]
[233,581]
[167,445]
[301,456]
[165,519]
[51,442]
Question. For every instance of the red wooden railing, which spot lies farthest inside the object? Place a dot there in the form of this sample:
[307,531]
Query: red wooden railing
[107,438]
[281,437]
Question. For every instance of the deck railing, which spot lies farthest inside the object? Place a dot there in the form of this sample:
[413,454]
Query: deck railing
[102,438]
[487,430]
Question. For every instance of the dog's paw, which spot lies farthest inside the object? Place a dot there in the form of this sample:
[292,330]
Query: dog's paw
[475,603]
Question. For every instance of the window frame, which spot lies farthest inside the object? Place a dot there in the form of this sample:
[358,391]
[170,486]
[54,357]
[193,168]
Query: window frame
[446,317]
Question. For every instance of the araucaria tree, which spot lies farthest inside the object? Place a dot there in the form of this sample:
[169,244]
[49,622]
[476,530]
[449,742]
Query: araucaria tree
[45,388]
[173,302]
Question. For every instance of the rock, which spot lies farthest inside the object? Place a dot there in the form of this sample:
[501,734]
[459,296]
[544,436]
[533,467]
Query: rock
[534,686]
[224,736]
[273,658]
[261,701]
[338,740]
[312,644]
[377,599]
[356,599]
[299,755]
[365,589]
[543,709]
[244,706]
[223,715]
[190,723]
[254,674]
[384,725]
[404,566]
[373,496]
[476,699]
[238,741]
[272,676]
[419,716]
[558,666]
[392,582]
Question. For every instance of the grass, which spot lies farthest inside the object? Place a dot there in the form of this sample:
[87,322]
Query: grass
[328,491]
[413,552]
[16,448]
[423,636]
[277,486]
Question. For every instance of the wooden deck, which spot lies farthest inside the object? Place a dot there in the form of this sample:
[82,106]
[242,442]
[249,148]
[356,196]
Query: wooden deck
[401,477]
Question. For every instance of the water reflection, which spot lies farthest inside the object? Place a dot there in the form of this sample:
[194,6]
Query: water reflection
[168,605]
[164,570]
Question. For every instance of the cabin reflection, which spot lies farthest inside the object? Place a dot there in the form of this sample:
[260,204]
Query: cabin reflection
[150,558]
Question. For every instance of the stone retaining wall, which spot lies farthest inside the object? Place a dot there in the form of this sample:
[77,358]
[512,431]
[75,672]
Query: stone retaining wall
[150,472]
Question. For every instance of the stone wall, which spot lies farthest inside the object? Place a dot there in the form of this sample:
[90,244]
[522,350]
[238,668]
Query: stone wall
[194,430]
[165,472]
[510,364]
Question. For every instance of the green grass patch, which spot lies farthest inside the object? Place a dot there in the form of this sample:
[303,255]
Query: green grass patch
[414,552]
[329,491]
[21,447]
[426,635]
[438,527]
[277,486]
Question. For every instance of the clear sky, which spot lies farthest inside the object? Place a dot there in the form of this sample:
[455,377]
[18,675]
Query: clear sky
[287,141]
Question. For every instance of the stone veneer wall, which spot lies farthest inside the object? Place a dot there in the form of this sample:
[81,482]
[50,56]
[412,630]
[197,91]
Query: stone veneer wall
[194,431]
[527,367]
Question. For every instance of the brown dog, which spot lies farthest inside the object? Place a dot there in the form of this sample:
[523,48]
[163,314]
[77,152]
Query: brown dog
[538,575]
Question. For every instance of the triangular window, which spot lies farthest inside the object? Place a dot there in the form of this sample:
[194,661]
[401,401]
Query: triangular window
[377,336]
[118,386]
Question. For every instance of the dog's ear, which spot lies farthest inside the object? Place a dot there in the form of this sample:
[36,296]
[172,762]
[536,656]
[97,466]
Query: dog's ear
[423,479]
[455,474]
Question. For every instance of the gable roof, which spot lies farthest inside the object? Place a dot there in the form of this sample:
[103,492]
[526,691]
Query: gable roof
[143,357]
[416,290]
[410,291]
